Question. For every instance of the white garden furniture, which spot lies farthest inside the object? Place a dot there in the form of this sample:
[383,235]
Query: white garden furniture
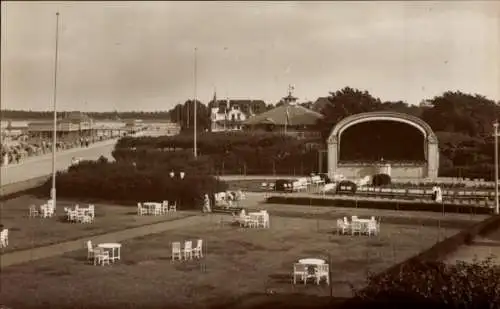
[356,227]
[198,250]
[176,251]
[313,270]
[164,207]
[141,211]
[172,207]
[323,271]
[188,250]
[113,248]
[342,227]
[34,211]
[4,238]
[98,255]
[300,271]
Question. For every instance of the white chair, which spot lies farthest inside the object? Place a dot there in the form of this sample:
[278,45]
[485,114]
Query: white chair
[45,212]
[172,207]
[263,186]
[86,218]
[176,251]
[90,250]
[91,211]
[253,221]
[164,207]
[4,238]
[141,210]
[34,211]
[157,210]
[356,227]
[372,228]
[341,226]
[323,271]
[101,257]
[198,250]
[299,270]
[261,221]
[188,249]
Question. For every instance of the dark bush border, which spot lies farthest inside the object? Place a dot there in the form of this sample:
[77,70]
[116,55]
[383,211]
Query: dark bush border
[384,204]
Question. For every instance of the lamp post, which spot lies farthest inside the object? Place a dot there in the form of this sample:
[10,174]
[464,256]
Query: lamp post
[495,133]
[195,95]
[54,133]
[181,177]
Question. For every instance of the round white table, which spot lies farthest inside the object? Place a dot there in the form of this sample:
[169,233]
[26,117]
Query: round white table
[311,261]
[112,247]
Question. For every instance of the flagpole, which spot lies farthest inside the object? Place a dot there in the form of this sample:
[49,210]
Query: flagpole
[54,133]
[195,94]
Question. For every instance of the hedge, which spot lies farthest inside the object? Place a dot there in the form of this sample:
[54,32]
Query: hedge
[146,181]
[385,204]
[423,277]
[229,153]
[381,180]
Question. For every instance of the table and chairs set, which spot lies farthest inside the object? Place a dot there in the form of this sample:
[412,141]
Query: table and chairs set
[188,252]
[80,214]
[103,254]
[4,238]
[156,209]
[258,219]
[358,226]
[46,210]
[311,268]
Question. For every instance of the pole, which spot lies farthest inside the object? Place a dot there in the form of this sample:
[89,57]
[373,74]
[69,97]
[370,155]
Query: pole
[194,116]
[54,133]
[495,126]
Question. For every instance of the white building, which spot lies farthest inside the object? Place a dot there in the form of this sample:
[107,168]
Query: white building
[229,115]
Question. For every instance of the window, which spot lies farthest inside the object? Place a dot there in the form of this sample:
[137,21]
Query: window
[239,116]
[232,117]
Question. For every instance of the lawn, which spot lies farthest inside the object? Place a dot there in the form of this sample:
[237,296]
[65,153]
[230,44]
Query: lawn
[238,263]
[26,232]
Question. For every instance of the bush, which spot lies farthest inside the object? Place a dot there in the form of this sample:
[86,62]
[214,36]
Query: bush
[346,186]
[387,205]
[381,180]
[229,152]
[463,285]
[124,182]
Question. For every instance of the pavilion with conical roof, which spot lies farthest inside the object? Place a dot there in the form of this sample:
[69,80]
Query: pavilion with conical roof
[289,117]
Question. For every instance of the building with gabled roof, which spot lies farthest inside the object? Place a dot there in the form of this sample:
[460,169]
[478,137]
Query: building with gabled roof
[229,115]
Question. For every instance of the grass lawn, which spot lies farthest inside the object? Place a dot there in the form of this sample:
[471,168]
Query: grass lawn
[26,232]
[237,263]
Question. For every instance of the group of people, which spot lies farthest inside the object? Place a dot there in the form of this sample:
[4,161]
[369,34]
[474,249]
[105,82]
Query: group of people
[16,152]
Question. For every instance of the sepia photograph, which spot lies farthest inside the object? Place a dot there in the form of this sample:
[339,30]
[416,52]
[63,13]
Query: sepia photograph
[249,154]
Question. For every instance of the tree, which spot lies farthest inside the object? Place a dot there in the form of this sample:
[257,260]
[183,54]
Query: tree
[185,116]
[458,112]
[346,102]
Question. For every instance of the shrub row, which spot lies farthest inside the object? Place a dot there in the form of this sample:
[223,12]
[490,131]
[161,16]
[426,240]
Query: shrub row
[232,153]
[424,277]
[386,205]
[126,183]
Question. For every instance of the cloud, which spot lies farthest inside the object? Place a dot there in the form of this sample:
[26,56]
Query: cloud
[131,55]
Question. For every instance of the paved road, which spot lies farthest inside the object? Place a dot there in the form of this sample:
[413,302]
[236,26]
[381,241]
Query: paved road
[42,165]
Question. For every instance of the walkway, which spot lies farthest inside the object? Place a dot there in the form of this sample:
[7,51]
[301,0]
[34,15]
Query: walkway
[481,248]
[24,256]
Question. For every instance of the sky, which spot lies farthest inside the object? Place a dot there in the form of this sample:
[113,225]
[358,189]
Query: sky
[140,55]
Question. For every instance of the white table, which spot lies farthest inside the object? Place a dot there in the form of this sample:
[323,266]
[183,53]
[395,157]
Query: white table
[311,261]
[111,247]
[151,206]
